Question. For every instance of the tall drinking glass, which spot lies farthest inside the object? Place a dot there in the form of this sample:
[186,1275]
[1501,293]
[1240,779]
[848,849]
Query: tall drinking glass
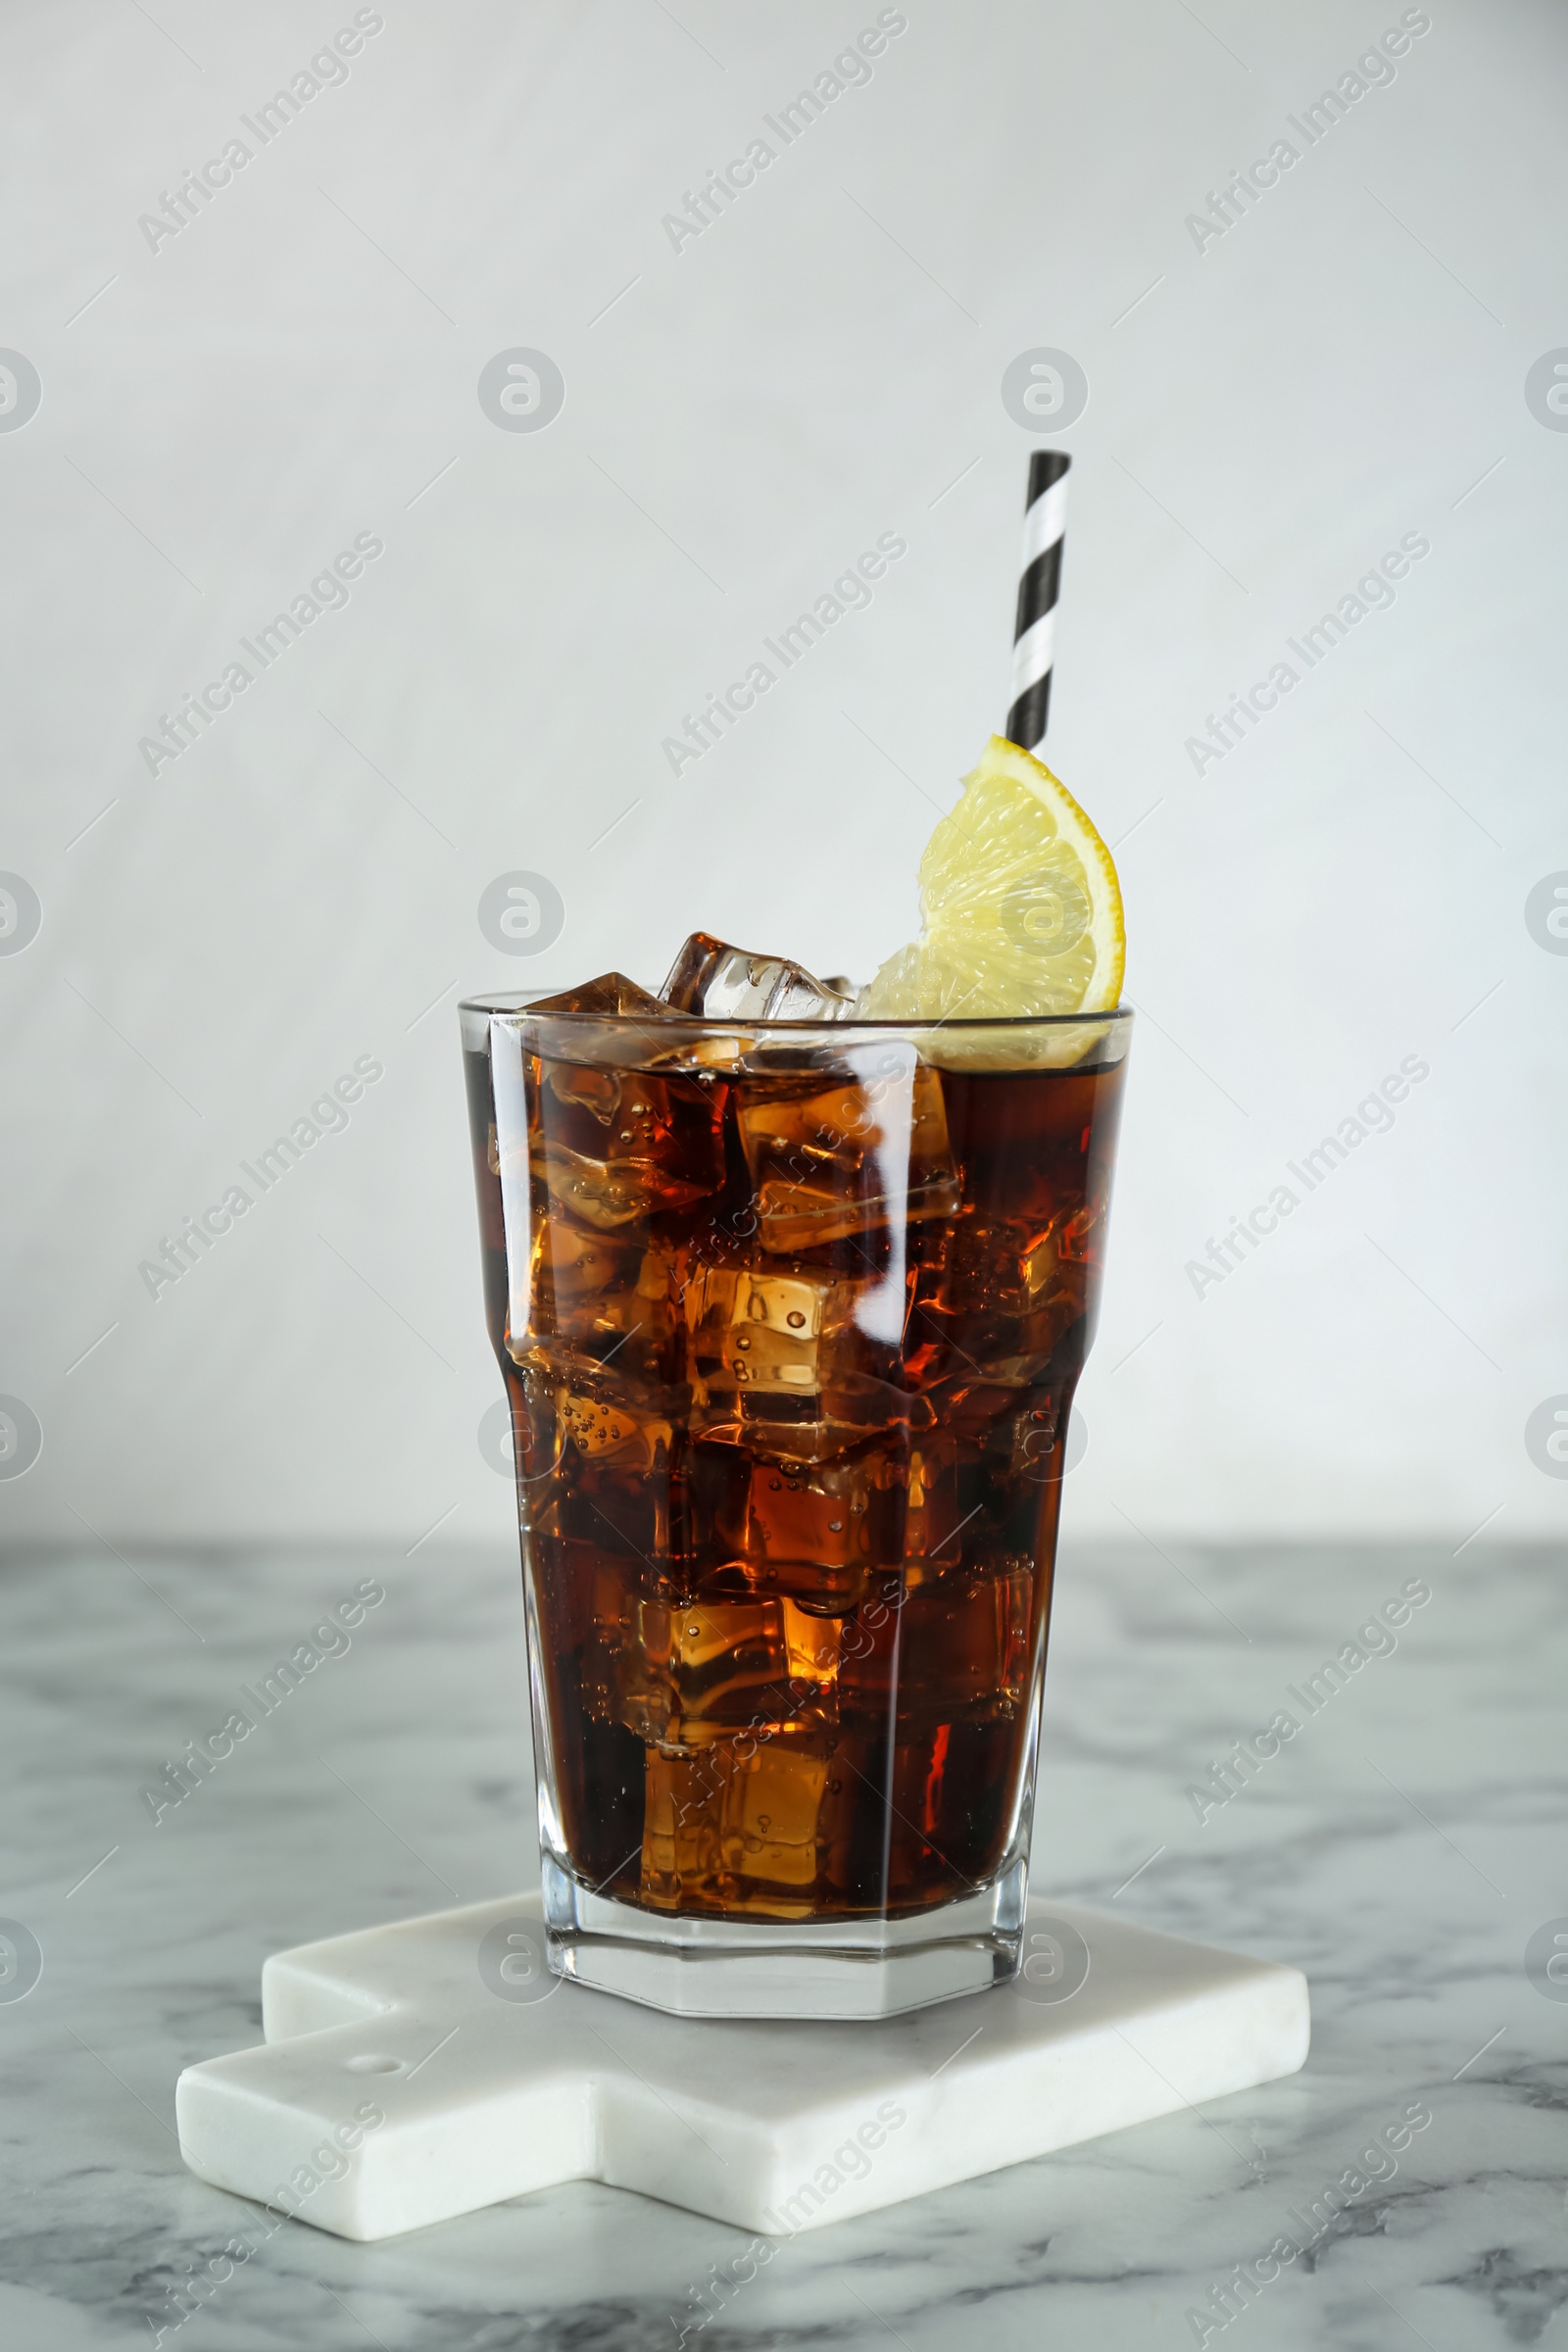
[790,1316]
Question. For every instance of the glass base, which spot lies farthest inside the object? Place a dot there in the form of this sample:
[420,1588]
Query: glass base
[789,1968]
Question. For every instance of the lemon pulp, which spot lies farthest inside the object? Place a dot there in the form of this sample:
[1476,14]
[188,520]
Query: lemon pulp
[1020,908]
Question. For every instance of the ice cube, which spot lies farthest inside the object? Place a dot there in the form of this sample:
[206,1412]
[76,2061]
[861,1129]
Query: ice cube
[819,1529]
[596,1453]
[598,1092]
[703,1669]
[612,993]
[832,1161]
[570,1266]
[965,1644]
[811,1529]
[575,1278]
[598,1426]
[831,1514]
[582,1413]
[730,984]
[946,1650]
[610,1193]
[781,1428]
[717,1824]
[774,1332]
[603,1292]
[615,1146]
[771,1812]
[1010,1290]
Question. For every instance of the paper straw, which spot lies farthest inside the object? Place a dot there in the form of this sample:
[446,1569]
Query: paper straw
[1038,585]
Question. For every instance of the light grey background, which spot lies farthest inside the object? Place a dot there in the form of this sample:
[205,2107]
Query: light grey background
[1266,418]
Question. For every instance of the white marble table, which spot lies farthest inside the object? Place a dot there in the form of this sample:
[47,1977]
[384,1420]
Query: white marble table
[1403,1848]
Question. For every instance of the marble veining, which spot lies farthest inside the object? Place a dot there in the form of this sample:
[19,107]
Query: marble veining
[1402,1848]
[779,2126]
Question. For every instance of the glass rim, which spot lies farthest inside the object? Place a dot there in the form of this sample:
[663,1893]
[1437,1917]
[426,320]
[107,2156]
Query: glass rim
[493,1006]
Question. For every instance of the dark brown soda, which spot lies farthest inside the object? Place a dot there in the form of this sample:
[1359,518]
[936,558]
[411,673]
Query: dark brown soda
[790,1459]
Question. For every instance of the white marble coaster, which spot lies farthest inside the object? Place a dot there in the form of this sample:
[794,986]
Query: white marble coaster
[419,2071]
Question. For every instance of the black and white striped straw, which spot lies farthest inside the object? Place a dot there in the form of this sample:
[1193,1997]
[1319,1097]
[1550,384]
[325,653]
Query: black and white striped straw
[1038,585]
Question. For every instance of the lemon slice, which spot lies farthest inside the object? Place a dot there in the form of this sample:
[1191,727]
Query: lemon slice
[1019,904]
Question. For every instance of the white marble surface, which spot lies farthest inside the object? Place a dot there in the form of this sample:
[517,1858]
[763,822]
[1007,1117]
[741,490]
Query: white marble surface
[1403,1848]
[780,2127]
